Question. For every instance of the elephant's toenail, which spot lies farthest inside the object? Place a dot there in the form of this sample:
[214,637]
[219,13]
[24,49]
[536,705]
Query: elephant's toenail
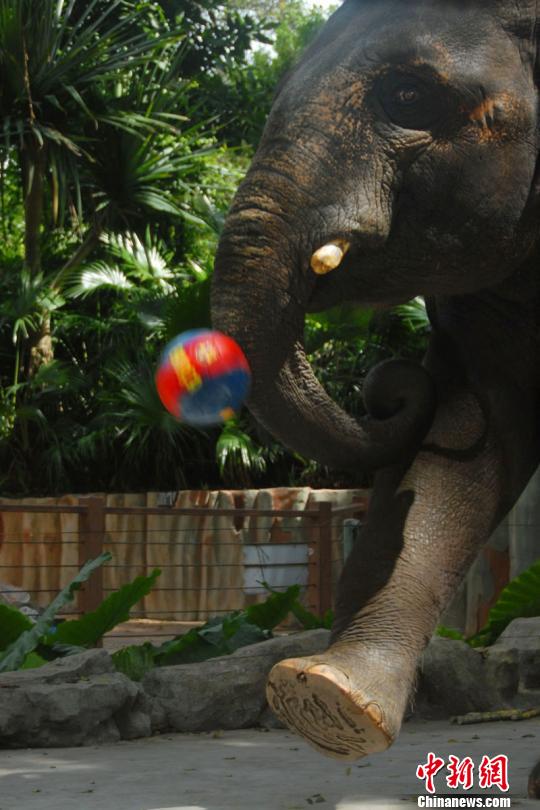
[375,712]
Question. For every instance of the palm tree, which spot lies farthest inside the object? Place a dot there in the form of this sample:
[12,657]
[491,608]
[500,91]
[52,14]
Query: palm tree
[58,68]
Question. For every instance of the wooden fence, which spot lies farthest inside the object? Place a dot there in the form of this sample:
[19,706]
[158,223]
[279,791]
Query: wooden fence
[215,548]
[206,552]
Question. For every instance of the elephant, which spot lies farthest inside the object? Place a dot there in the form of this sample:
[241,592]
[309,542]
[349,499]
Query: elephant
[400,159]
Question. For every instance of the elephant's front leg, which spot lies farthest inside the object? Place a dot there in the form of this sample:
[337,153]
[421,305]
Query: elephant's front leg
[425,525]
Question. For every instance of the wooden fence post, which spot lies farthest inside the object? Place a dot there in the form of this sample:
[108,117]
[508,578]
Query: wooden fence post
[325,556]
[91,538]
[314,565]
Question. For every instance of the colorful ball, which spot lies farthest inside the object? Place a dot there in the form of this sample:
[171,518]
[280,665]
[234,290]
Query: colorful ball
[203,377]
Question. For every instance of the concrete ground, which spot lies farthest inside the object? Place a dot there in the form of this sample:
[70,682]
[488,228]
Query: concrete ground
[256,770]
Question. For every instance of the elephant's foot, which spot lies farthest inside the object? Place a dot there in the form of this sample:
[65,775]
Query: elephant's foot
[325,703]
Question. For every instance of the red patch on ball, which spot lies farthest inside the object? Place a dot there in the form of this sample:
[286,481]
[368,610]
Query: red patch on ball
[203,377]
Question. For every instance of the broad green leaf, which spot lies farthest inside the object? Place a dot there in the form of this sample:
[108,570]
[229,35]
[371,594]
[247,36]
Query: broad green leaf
[33,661]
[26,643]
[135,661]
[187,649]
[214,632]
[307,619]
[519,599]
[231,632]
[13,624]
[86,631]
[219,636]
[275,609]
[243,634]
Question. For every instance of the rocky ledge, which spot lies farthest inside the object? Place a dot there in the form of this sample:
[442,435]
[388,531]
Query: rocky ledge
[82,700]
[456,679]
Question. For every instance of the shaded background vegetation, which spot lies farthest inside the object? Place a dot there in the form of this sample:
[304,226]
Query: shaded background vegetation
[125,129]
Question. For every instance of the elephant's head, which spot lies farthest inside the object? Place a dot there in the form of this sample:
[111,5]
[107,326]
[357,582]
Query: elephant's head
[400,156]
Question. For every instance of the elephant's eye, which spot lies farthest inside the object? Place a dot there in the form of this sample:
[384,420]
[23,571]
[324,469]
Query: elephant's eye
[410,101]
[407,95]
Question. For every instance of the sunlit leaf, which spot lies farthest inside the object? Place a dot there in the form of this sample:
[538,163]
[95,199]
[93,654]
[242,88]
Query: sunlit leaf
[90,628]
[96,277]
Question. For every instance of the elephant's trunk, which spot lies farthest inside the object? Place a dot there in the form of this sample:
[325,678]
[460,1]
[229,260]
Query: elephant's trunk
[261,287]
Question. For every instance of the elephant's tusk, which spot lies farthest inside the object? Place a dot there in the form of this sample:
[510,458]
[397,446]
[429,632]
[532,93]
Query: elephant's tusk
[329,256]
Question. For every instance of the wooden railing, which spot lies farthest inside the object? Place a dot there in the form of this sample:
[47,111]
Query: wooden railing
[318,527]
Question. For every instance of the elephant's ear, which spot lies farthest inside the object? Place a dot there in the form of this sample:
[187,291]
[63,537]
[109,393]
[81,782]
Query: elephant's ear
[529,31]
[521,21]
[520,18]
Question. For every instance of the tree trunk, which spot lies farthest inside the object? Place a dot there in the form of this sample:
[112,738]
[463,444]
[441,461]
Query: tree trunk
[40,348]
[33,167]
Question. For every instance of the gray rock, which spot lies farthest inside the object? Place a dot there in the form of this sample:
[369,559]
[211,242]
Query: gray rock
[133,724]
[529,668]
[158,715]
[135,720]
[521,634]
[62,670]
[269,720]
[456,678]
[522,638]
[307,642]
[72,701]
[223,693]
[501,669]
[453,677]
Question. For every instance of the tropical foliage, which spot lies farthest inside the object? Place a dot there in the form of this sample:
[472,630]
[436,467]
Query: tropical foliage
[20,638]
[126,126]
[27,645]
[519,599]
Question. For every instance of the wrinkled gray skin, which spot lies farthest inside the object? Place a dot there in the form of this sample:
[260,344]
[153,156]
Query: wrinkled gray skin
[411,130]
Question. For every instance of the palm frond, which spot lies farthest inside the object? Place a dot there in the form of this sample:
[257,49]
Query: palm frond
[147,261]
[238,458]
[58,70]
[23,308]
[414,315]
[94,277]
